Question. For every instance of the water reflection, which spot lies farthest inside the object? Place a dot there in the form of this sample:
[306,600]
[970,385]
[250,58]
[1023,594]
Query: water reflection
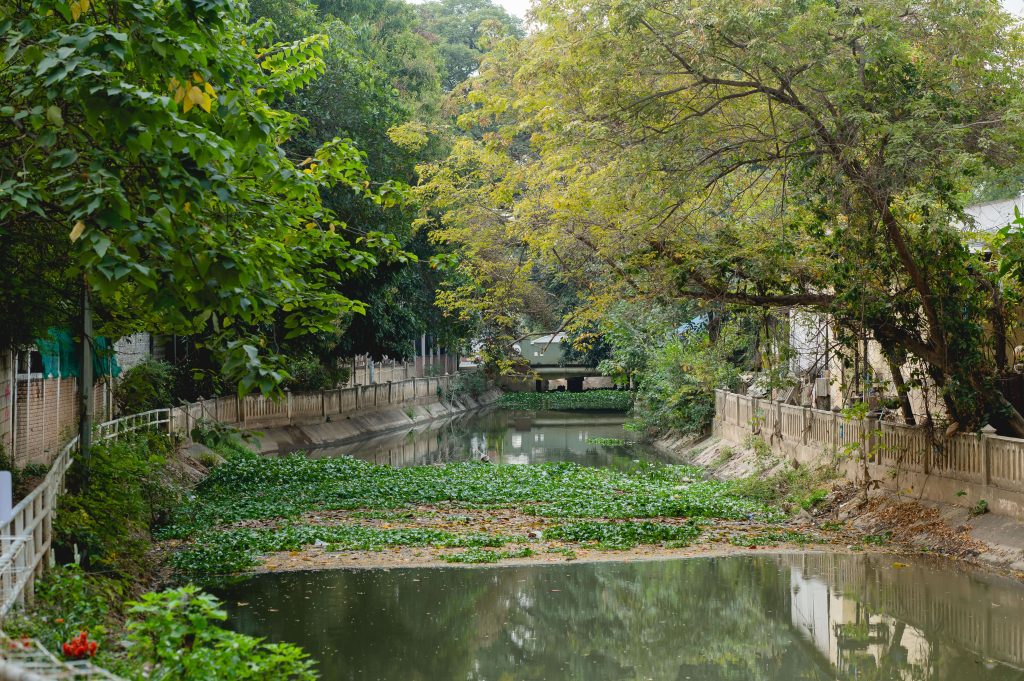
[813,617]
[507,437]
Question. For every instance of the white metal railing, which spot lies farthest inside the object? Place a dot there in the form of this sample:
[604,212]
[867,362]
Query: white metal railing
[25,543]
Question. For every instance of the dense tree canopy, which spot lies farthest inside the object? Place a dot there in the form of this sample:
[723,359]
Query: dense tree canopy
[144,140]
[227,171]
[790,153]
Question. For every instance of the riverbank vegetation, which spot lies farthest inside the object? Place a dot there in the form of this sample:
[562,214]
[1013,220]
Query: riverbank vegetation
[590,400]
[97,600]
[163,154]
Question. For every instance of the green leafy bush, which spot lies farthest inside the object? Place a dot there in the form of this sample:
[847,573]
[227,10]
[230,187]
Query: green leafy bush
[67,601]
[215,434]
[113,500]
[465,383]
[147,385]
[308,374]
[176,636]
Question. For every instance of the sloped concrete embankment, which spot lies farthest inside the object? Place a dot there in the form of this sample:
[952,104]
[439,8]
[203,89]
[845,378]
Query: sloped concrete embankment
[344,428]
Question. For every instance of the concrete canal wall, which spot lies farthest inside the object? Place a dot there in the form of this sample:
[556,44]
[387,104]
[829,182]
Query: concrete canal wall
[962,470]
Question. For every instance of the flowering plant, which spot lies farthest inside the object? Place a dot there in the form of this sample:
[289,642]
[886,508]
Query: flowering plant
[80,647]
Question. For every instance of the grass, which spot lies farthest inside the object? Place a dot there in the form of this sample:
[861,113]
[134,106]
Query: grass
[590,400]
[249,506]
[803,486]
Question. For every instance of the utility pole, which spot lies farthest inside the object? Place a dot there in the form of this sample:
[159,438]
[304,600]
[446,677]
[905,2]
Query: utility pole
[85,378]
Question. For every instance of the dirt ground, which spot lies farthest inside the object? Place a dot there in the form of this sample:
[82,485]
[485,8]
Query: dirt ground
[714,541]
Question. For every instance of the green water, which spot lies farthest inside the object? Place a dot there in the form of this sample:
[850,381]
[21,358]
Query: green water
[746,618]
[507,437]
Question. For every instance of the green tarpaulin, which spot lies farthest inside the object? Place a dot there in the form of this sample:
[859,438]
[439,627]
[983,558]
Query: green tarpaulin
[60,355]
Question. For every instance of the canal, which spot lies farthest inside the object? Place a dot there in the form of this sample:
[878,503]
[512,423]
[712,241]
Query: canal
[812,616]
[504,436]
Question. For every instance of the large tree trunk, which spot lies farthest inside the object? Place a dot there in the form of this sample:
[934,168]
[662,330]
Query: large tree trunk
[901,389]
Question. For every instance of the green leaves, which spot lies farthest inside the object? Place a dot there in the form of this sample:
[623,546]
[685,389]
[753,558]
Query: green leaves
[160,148]
[591,400]
[176,635]
[279,491]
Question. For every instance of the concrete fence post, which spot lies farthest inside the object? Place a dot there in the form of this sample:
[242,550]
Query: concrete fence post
[391,392]
[803,424]
[323,403]
[288,403]
[870,439]
[241,409]
[986,456]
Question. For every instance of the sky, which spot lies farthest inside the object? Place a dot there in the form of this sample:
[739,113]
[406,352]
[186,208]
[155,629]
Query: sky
[519,7]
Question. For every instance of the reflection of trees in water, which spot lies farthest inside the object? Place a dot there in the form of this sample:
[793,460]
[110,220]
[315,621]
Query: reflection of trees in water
[726,619]
[709,619]
[504,436]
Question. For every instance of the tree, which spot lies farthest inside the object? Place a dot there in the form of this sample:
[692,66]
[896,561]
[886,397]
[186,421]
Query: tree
[143,141]
[791,153]
[464,29]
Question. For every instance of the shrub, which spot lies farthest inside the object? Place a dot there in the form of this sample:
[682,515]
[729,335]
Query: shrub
[114,500]
[147,385]
[67,601]
[308,374]
[471,383]
[176,636]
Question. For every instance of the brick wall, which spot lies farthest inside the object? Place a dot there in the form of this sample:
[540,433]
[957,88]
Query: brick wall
[6,399]
[46,416]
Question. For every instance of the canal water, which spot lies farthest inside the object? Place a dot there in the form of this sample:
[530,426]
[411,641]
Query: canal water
[779,617]
[505,436]
[784,617]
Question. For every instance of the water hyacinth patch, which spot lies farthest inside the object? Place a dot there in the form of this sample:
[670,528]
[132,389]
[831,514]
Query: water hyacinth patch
[270,495]
[626,535]
[253,488]
[478,555]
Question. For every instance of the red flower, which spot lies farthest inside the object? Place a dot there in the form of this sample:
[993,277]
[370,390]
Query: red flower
[79,647]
